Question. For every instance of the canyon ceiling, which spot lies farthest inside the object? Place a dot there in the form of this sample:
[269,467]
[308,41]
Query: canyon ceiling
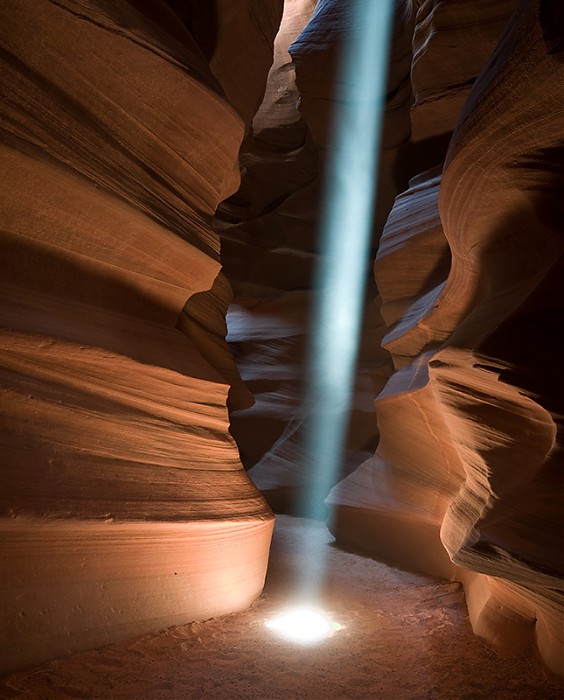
[162,169]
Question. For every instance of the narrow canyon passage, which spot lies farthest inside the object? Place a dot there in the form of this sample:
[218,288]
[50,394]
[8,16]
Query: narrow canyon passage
[163,167]
[403,636]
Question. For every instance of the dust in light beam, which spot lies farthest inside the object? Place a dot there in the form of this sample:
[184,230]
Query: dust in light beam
[350,184]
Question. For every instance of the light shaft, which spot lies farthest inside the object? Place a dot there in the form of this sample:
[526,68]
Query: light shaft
[345,232]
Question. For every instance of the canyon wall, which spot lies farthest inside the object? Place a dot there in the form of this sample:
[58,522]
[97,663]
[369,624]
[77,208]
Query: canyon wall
[124,506]
[466,481]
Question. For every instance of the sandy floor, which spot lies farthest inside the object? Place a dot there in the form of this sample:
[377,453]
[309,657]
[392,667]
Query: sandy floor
[403,636]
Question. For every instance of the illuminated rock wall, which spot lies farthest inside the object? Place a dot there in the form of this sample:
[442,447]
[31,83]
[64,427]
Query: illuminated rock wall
[124,506]
[466,481]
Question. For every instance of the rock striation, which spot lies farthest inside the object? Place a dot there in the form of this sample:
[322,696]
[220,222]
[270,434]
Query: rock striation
[124,505]
[465,482]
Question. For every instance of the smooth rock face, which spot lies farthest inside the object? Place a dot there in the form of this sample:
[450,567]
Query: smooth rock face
[412,265]
[467,470]
[124,506]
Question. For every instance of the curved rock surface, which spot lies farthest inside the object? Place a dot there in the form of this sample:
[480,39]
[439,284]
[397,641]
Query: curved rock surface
[452,41]
[124,506]
[465,482]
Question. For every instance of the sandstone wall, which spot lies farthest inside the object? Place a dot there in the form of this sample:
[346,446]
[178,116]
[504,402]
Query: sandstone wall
[124,506]
[465,482]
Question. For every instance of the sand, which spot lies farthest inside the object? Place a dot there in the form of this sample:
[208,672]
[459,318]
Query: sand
[403,636]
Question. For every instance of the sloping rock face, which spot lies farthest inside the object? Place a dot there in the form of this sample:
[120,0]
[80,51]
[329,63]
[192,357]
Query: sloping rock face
[466,481]
[124,506]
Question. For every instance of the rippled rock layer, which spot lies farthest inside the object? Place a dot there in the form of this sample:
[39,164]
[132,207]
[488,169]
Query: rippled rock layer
[124,506]
[466,481]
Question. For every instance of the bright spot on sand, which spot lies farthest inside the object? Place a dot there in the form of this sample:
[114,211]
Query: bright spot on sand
[303,625]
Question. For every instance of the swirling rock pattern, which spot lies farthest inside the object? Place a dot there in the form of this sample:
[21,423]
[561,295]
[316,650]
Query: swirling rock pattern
[124,506]
[467,470]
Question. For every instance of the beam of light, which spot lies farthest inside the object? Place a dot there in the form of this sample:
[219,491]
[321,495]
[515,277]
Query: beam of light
[345,234]
[303,625]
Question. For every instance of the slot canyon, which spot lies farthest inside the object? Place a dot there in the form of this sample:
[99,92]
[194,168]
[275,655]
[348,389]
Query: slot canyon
[163,182]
